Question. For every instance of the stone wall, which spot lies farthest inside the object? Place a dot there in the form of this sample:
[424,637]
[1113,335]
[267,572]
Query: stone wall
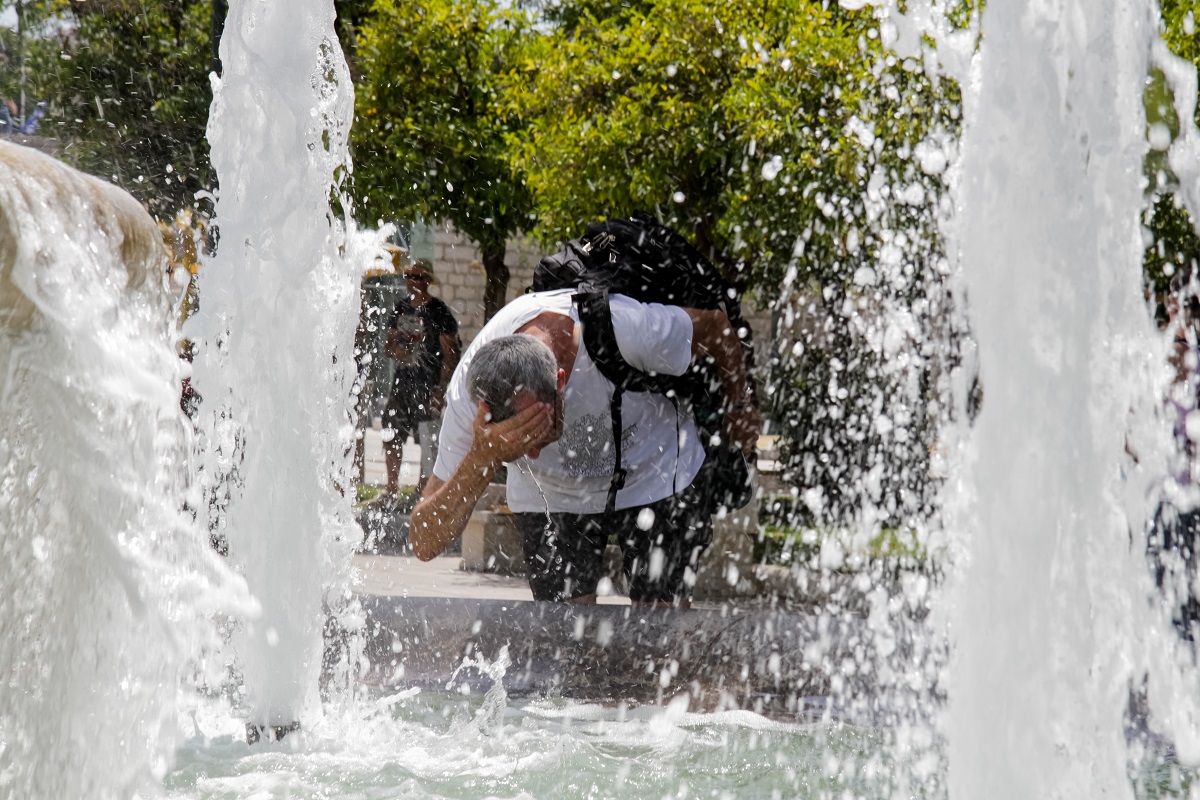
[461,279]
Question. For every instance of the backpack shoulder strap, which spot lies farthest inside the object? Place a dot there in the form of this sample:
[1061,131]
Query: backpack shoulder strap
[595,317]
[600,339]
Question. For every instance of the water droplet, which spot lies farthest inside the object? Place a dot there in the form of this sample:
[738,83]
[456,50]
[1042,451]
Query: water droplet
[645,519]
[772,168]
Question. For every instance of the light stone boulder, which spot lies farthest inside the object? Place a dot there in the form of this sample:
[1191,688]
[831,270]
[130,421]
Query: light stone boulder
[30,183]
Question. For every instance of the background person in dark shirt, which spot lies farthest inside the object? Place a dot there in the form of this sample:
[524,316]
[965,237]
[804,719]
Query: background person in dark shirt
[423,339]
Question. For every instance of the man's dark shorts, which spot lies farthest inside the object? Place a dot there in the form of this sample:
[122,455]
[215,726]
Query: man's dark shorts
[564,554]
[408,403]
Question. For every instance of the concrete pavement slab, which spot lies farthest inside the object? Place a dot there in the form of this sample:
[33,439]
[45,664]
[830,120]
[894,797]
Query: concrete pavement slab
[406,576]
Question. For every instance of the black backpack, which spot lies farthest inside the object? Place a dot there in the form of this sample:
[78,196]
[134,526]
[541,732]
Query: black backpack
[649,262]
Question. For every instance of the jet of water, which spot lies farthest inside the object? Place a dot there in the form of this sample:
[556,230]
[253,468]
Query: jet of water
[279,301]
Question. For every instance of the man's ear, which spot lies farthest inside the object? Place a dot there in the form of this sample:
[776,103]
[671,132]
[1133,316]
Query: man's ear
[562,378]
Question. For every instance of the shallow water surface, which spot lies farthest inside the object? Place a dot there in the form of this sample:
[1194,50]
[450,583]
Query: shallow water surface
[446,746]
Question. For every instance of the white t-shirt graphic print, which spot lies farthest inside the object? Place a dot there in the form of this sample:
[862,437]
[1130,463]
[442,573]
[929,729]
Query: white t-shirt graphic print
[659,445]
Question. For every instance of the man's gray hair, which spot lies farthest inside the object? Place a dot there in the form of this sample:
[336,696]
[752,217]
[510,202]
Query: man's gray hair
[504,366]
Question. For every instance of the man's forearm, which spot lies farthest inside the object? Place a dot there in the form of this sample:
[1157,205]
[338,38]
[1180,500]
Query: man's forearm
[443,512]
[446,374]
[713,337]
[450,357]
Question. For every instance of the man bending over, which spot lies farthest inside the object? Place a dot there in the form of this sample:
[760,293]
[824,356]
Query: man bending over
[527,394]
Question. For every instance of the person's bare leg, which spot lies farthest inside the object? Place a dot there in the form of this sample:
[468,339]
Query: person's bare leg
[360,465]
[393,459]
[422,472]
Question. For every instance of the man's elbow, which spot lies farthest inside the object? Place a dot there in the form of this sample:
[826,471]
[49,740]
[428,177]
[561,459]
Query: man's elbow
[422,546]
[709,330]
[425,553]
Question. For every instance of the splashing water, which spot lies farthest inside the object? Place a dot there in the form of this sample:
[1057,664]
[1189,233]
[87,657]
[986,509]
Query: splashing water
[1047,616]
[106,585]
[433,747]
[490,712]
[276,329]
[1050,616]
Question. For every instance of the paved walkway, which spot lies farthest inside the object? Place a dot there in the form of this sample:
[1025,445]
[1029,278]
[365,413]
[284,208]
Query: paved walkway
[374,470]
[406,576]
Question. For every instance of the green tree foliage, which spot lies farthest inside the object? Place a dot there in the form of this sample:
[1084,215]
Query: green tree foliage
[23,57]
[1172,244]
[793,150]
[1179,27]
[127,90]
[351,14]
[705,113]
[429,133]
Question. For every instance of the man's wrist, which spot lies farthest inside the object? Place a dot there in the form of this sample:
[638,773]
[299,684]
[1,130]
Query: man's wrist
[481,463]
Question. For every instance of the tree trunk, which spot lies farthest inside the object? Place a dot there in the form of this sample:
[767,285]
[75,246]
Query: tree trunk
[703,242]
[219,10]
[495,290]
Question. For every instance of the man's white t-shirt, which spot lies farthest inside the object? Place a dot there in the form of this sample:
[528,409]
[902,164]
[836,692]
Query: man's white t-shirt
[659,446]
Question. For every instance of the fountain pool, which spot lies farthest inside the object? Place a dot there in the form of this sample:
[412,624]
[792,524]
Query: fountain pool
[442,746]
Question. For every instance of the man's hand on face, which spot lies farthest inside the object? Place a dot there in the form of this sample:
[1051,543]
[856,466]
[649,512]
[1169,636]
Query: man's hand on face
[516,436]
